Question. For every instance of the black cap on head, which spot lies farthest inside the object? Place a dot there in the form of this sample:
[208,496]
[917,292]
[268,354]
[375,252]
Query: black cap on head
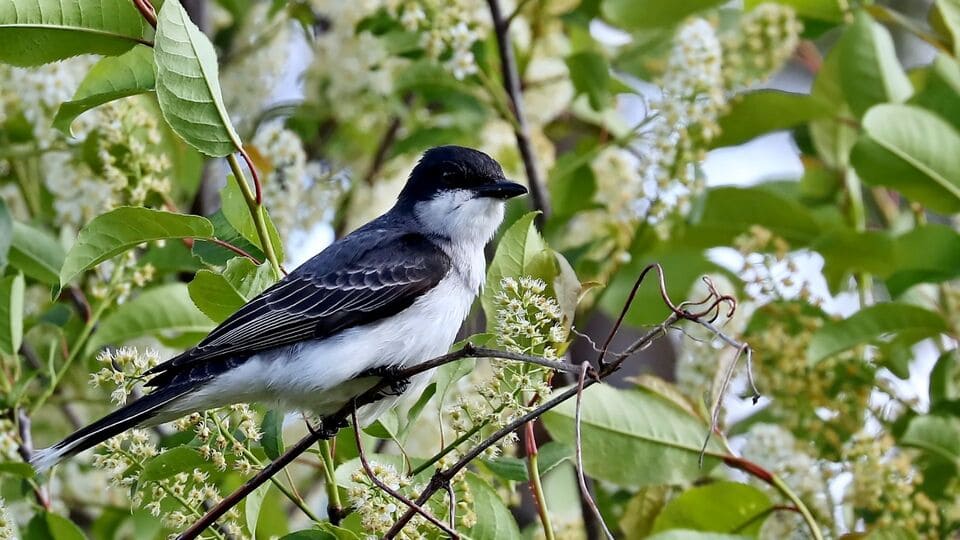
[447,168]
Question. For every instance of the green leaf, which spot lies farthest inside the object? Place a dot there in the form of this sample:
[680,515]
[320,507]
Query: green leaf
[521,252]
[6,234]
[109,79]
[832,137]
[123,228]
[824,10]
[220,295]
[716,507]
[272,429]
[950,15]
[752,114]
[174,461]
[934,434]
[686,534]
[913,151]
[11,314]
[36,253]
[869,70]
[251,507]
[235,209]
[494,520]
[945,379]
[723,217]
[927,254]
[17,468]
[61,528]
[637,14]
[846,250]
[590,75]
[642,510]
[34,32]
[871,324]
[512,468]
[188,87]
[633,438]
[941,93]
[158,311]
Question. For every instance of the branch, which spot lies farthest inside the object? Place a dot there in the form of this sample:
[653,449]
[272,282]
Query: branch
[257,212]
[511,83]
[146,10]
[578,449]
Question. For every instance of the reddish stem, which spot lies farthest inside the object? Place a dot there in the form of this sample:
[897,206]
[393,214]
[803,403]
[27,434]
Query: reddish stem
[256,177]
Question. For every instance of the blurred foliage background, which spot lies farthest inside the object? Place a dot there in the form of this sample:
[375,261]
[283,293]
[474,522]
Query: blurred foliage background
[125,236]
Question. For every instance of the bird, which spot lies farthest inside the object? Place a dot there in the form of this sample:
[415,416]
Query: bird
[389,295]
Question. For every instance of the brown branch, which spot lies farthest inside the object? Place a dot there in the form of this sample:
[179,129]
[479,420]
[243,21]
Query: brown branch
[511,83]
[387,489]
[25,449]
[146,10]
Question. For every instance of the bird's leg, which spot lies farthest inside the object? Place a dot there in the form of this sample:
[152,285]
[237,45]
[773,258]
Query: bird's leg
[327,429]
[393,375]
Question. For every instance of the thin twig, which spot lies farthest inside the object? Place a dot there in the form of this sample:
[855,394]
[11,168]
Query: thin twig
[258,188]
[233,248]
[25,449]
[387,489]
[146,10]
[578,454]
[511,83]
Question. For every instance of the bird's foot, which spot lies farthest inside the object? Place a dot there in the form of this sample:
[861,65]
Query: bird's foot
[396,383]
[327,428]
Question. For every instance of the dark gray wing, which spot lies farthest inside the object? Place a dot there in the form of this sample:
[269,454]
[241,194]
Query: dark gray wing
[358,280]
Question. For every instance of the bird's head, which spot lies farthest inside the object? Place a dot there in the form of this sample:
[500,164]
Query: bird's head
[458,193]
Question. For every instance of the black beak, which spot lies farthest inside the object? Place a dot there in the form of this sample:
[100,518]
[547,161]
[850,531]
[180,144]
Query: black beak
[503,189]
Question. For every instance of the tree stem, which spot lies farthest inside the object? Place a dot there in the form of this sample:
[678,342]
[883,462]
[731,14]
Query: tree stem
[258,214]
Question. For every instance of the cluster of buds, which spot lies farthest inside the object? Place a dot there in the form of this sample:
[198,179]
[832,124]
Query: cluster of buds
[217,432]
[123,369]
[770,269]
[760,45]
[448,31]
[8,529]
[378,510]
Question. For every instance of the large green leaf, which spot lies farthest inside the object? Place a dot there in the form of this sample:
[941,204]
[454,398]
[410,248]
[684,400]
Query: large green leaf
[49,526]
[950,15]
[634,438]
[237,213]
[642,510]
[687,534]
[111,78]
[869,70]
[159,311]
[723,217]
[762,111]
[913,151]
[11,314]
[718,507]
[833,137]
[590,75]
[637,14]
[521,252]
[123,228]
[937,435]
[34,32]
[941,93]
[928,254]
[36,253]
[188,87]
[494,521]
[945,379]
[220,295]
[846,250]
[872,324]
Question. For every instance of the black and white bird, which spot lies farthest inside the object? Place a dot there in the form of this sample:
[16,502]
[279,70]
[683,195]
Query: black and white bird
[390,294]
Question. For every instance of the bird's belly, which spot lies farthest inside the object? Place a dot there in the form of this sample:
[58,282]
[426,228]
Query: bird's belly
[314,375]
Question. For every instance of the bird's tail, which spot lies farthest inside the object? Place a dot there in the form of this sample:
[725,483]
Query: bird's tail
[132,415]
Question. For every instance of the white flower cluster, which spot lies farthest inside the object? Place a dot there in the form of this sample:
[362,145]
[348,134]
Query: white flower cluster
[300,193]
[8,529]
[449,28]
[378,510]
[759,46]
[215,430]
[527,321]
[8,441]
[687,111]
[352,72]
[256,63]
[130,165]
[770,269]
[123,369]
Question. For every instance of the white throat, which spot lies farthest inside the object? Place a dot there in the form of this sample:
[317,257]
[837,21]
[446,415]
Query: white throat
[464,223]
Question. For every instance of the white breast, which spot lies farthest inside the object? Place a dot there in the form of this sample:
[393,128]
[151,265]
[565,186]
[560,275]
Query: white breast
[311,375]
